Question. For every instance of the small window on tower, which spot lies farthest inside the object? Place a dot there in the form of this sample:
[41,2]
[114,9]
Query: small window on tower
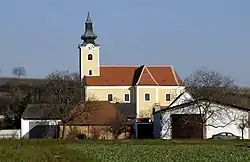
[147,97]
[90,72]
[90,57]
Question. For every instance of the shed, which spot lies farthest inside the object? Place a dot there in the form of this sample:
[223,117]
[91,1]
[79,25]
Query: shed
[183,118]
[40,121]
[97,124]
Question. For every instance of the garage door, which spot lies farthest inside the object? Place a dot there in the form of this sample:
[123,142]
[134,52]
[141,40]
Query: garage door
[43,130]
[186,126]
[145,130]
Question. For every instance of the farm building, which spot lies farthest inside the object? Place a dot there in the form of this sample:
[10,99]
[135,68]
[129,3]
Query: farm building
[43,121]
[40,121]
[187,118]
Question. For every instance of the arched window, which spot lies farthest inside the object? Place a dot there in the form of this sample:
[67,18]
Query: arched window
[90,72]
[110,97]
[168,97]
[90,57]
[147,97]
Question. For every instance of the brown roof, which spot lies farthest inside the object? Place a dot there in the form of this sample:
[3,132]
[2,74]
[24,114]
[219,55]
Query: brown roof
[112,76]
[103,114]
[134,75]
[146,78]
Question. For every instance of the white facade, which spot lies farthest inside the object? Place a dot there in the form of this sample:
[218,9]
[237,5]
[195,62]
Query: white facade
[26,126]
[218,118]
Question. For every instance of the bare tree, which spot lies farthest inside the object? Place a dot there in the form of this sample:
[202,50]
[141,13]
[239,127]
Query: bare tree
[19,71]
[208,84]
[15,109]
[242,123]
[208,88]
[146,113]
[118,125]
[63,91]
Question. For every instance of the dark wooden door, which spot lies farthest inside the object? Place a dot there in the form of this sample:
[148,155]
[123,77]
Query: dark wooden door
[186,126]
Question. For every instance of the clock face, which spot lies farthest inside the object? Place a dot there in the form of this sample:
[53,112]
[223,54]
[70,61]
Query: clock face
[90,46]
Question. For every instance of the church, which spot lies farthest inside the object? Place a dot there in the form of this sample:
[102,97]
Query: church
[145,86]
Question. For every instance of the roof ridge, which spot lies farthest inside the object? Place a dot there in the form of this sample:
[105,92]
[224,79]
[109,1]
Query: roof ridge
[140,75]
[144,67]
[119,66]
[174,74]
[151,76]
[159,65]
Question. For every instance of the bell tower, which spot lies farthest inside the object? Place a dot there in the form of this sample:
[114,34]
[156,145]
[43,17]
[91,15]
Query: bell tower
[89,51]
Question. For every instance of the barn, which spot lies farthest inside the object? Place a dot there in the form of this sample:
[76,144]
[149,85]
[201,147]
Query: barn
[39,121]
[186,118]
[43,120]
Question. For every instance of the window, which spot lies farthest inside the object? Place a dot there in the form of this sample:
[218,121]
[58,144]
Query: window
[126,97]
[147,97]
[90,57]
[90,72]
[110,97]
[168,97]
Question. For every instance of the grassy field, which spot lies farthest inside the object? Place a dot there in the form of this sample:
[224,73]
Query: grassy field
[124,151]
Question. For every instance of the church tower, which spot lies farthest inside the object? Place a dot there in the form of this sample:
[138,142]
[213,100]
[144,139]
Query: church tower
[89,51]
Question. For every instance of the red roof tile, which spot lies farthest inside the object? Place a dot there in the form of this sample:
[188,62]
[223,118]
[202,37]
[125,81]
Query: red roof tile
[146,78]
[165,75]
[134,75]
[113,76]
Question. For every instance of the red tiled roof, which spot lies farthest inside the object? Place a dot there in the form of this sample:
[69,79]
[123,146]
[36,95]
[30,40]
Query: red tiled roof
[146,78]
[115,76]
[165,75]
[128,76]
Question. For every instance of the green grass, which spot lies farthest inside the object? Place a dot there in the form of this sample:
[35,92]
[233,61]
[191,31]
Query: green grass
[38,150]
[124,151]
[166,151]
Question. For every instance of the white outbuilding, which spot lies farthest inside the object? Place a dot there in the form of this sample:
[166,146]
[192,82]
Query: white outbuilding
[187,118]
[39,122]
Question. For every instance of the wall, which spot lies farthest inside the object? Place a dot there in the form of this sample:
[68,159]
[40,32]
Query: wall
[101,93]
[92,132]
[158,96]
[157,125]
[184,98]
[137,94]
[224,119]
[11,133]
[25,125]
[174,91]
[233,127]
[86,64]
[144,108]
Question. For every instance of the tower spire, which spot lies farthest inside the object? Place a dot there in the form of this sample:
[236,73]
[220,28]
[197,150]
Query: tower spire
[88,20]
[89,36]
